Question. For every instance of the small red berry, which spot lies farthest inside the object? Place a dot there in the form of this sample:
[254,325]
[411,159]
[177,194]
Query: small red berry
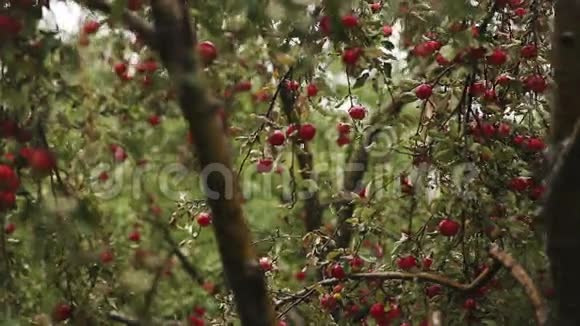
[349,21]
[61,312]
[487,129]
[343,140]
[337,271]
[490,95]
[537,192]
[243,86]
[265,264]
[433,290]
[475,31]
[135,236]
[307,131]
[119,154]
[325,25]
[154,120]
[149,66]
[448,227]
[9,26]
[204,219]
[424,91]
[207,51]
[9,228]
[427,262]
[7,200]
[300,275]
[497,57]
[394,313]
[422,50]
[104,176]
[292,85]
[376,7]
[351,56]
[407,262]
[356,263]
[328,301]
[106,256]
[357,112]
[8,128]
[91,27]
[469,304]
[377,311]
[520,12]
[120,68]
[477,88]
[291,130]
[504,129]
[276,138]
[196,321]
[535,144]
[42,161]
[535,83]
[8,179]
[387,30]
[529,51]
[441,60]
[343,128]
[311,90]
[520,183]
[519,139]
[503,79]
[199,311]
[264,165]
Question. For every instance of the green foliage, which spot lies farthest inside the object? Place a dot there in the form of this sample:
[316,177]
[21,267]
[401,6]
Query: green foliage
[446,157]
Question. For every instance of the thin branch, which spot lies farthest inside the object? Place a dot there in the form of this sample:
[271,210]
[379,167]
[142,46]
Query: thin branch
[187,265]
[134,22]
[256,134]
[355,170]
[520,274]
[474,285]
[122,319]
[312,208]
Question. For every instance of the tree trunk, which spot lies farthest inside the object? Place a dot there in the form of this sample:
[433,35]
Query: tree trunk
[175,42]
[561,211]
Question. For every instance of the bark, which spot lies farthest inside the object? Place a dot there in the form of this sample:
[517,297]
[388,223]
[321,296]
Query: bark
[566,51]
[355,170]
[175,43]
[561,211]
[312,208]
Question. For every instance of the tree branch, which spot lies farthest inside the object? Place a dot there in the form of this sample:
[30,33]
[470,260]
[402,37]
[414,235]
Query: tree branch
[355,170]
[474,285]
[312,208]
[520,274]
[175,41]
[134,22]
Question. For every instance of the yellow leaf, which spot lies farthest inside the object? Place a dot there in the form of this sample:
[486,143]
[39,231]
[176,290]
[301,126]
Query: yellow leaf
[285,59]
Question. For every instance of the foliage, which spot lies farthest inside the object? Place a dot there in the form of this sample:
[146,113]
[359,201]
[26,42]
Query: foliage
[97,233]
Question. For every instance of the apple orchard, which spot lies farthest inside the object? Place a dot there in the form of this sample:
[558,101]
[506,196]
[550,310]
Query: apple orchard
[290,162]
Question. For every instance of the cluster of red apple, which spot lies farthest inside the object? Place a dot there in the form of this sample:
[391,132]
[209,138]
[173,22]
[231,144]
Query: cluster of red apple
[522,184]
[40,161]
